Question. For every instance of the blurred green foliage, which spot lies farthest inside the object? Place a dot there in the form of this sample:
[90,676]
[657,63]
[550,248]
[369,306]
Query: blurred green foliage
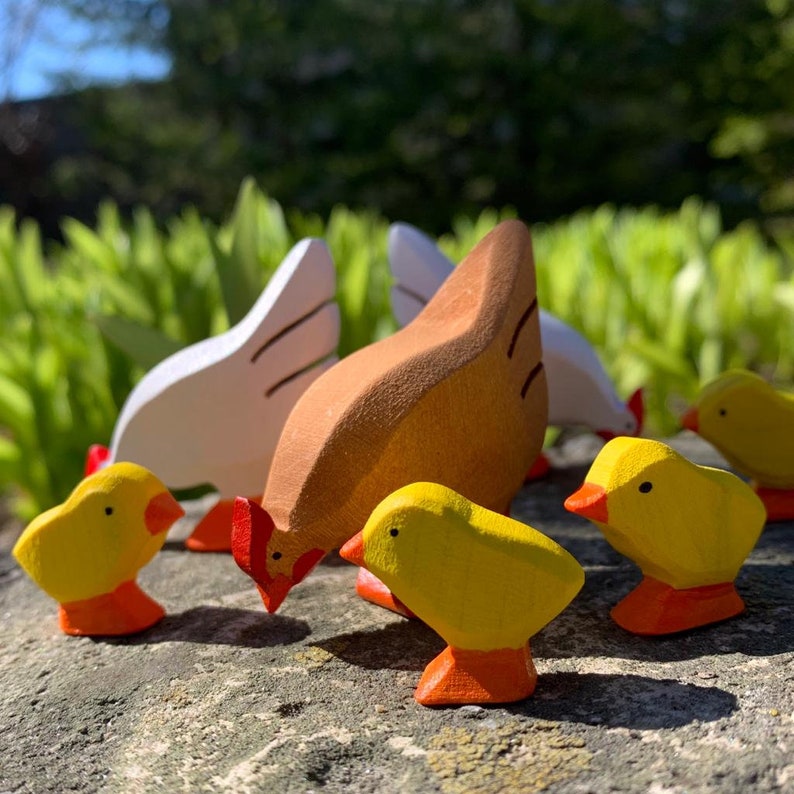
[427,109]
[669,299]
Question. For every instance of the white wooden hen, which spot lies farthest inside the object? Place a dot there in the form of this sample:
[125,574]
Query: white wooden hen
[213,412]
[580,391]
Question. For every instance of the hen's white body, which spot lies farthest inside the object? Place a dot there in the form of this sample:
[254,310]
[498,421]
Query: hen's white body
[213,412]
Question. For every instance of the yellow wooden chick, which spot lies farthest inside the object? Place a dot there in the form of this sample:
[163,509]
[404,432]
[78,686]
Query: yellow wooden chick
[86,552]
[688,527]
[484,582]
[752,425]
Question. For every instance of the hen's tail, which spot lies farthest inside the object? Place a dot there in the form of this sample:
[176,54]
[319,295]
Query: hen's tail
[419,269]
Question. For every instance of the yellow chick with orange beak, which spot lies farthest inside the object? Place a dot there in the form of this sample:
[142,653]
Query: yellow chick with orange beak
[752,425]
[484,582]
[86,552]
[688,527]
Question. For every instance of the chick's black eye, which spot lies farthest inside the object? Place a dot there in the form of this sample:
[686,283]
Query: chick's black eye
[394,532]
[276,555]
[108,511]
[723,412]
[645,487]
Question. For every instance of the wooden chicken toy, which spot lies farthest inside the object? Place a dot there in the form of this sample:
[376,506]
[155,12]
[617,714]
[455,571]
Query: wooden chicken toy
[86,552]
[580,391]
[213,412]
[484,582]
[688,527]
[752,425]
[458,396]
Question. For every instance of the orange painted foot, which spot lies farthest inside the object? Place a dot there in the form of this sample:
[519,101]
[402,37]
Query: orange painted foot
[459,676]
[539,469]
[779,503]
[654,607]
[127,610]
[370,588]
[214,531]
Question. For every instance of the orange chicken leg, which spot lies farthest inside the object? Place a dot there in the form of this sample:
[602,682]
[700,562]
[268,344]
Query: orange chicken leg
[466,676]
[779,503]
[214,531]
[654,607]
[127,610]
[371,589]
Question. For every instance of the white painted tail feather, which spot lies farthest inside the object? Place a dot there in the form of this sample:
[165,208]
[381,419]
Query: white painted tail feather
[213,412]
[580,391]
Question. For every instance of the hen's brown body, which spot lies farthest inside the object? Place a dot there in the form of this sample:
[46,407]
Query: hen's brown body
[457,397]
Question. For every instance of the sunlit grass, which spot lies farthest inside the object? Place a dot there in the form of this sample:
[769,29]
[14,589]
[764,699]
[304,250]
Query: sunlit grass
[669,299]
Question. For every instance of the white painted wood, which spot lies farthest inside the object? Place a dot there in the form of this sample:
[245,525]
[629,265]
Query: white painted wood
[213,412]
[580,391]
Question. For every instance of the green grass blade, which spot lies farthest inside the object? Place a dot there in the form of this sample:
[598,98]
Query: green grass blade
[145,345]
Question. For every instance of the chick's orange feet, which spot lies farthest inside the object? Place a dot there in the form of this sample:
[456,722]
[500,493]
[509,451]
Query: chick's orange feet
[214,531]
[371,589]
[779,503]
[654,607]
[457,676]
[126,610]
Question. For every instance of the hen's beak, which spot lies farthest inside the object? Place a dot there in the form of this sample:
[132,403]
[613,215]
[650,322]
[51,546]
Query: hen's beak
[690,420]
[161,512]
[353,550]
[274,593]
[589,501]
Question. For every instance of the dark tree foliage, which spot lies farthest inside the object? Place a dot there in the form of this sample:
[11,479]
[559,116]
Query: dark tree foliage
[429,108]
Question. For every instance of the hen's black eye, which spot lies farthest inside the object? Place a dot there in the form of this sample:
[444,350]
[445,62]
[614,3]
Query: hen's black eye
[276,555]
[108,511]
[394,532]
[645,487]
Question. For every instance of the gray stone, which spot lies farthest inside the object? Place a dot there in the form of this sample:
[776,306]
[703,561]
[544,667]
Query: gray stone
[224,697]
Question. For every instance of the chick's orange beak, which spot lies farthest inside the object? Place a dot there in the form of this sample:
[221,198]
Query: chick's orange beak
[161,512]
[690,420]
[353,550]
[590,501]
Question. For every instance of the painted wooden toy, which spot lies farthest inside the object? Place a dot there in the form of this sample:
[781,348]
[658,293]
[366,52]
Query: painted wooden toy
[484,582]
[752,425]
[86,552]
[580,391]
[213,412]
[458,396]
[688,527]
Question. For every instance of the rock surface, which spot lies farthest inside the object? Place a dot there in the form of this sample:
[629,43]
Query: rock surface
[223,697]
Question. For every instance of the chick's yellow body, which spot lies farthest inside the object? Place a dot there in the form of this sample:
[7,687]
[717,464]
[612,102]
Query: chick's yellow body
[752,425]
[481,580]
[97,539]
[684,524]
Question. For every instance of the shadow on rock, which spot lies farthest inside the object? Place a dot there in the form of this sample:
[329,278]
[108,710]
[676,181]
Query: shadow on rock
[624,701]
[585,629]
[214,625]
[408,645]
[179,545]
